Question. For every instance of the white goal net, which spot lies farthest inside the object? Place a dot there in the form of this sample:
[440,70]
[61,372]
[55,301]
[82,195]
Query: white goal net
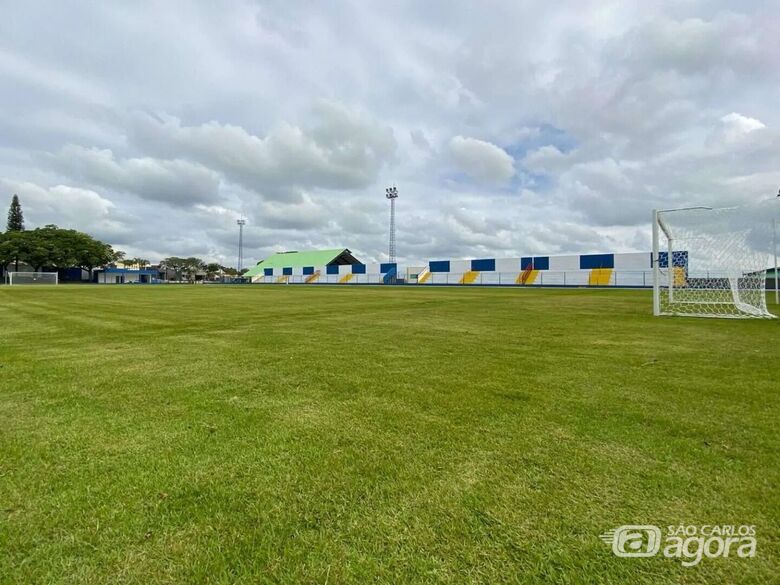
[31,278]
[713,262]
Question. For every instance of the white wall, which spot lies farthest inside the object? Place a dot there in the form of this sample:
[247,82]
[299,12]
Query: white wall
[564,262]
[508,265]
[631,269]
[460,266]
[633,261]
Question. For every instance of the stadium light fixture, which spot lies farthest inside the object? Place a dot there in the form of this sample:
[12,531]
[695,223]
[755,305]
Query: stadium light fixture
[391,193]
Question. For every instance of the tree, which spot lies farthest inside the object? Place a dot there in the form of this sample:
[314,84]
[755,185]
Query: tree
[94,253]
[173,263]
[192,266]
[15,216]
[213,269]
[53,247]
[46,247]
[14,247]
[184,267]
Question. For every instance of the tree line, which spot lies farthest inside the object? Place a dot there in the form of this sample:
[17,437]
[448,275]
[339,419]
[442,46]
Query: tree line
[54,247]
[189,268]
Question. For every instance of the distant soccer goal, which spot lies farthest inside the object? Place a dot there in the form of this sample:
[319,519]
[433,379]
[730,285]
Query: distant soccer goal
[712,262]
[31,278]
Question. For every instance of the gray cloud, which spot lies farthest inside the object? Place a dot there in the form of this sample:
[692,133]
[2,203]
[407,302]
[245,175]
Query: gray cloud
[177,182]
[342,150]
[536,128]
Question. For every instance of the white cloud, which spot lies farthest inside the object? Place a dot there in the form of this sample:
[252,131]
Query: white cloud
[736,126]
[177,182]
[65,206]
[482,160]
[546,159]
[299,115]
[343,150]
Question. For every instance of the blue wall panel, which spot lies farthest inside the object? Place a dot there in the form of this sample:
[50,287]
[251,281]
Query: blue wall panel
[387,267]
[537,262]
[308,270]
[358,269]
[287,271]
[72,274]
[332,269]
[268,271]
[591,261]
[439,266]
[390,276]
[484,265]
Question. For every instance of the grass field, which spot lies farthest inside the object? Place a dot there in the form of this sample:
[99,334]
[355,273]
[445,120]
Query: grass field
[352,434]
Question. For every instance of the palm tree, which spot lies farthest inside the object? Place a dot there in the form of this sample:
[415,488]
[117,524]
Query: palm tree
[119,257]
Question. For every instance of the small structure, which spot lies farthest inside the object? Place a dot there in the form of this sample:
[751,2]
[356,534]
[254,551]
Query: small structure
[73,274]
[294,263]
[337,266]
[126,276]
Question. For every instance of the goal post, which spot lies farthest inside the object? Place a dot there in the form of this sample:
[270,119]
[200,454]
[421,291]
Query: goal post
[710,262]
[13,278]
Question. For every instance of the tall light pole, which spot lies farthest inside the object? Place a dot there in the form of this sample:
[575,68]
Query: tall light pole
[241,223]
[774,246]
[777,276]
[391,193]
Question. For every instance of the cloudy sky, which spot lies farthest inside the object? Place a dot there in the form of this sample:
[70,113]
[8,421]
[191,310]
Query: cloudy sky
[509,127]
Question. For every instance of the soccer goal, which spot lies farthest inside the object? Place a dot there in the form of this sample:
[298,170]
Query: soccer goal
[712,262]
[31,278]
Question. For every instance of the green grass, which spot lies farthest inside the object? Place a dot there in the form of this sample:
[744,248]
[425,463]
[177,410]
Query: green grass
[350,434]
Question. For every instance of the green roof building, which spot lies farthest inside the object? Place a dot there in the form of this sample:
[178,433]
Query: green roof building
[281,260]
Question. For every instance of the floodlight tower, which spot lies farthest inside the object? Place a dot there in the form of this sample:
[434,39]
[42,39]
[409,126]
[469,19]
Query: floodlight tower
[391,193]
[241,222]
[774,248]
